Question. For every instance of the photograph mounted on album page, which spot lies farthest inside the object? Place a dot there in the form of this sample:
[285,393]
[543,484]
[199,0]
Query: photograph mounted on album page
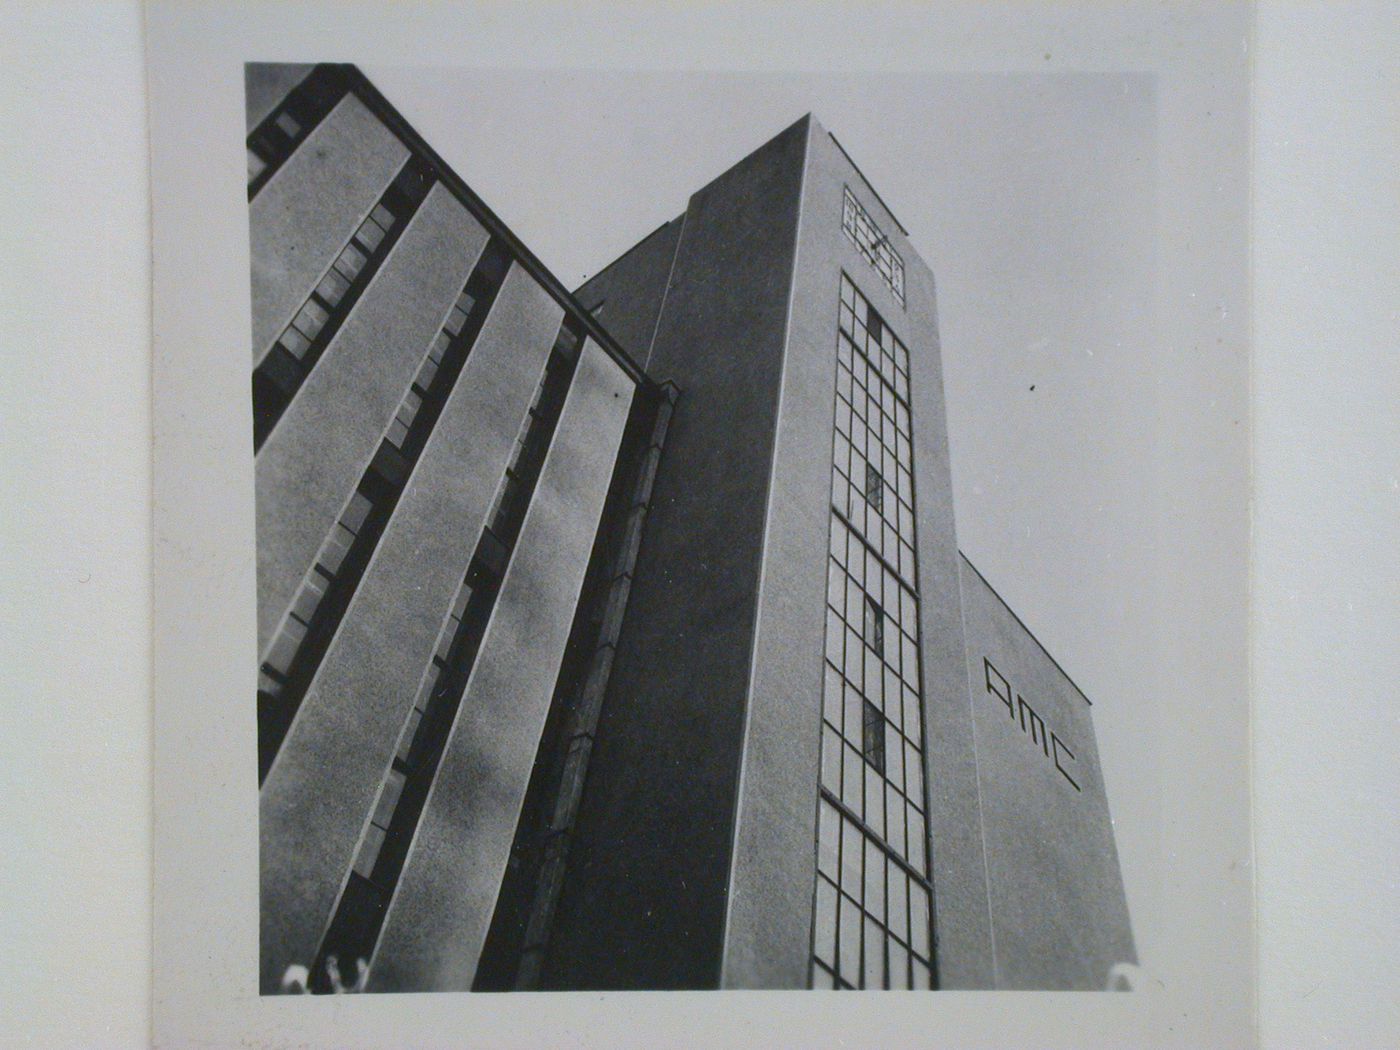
[754,520]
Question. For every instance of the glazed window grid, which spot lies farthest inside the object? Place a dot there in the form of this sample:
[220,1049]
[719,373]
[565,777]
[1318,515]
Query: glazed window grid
[872,908]
[872,243]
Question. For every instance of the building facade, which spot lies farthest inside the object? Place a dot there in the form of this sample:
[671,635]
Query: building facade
[620,639]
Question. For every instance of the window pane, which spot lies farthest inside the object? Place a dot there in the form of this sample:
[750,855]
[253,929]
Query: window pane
[874,899]
[873,737]
[918,919]
[894,833]
[898,902]
[899,966]
[351,261]
[831,760]
[294,343]
[455,319]
[894,755]
[825,922]
[854,711]
[388,798]
[831,695]
[874,801]
[310,319]
[921,976]
[874,970]
[849,947]
[829,837]
[370,234]
[851,779]
[852,842]
[332,287]
[369,851]
[833,639]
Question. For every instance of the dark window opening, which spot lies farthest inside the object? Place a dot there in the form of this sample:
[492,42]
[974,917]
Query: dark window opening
[284,368]
[873,736]
[874,489]
[874,625]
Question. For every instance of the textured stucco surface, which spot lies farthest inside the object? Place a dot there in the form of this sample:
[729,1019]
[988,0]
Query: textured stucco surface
[767,937]
[311,462]
[318,794]
[1060,918]
[309,208]
[439,916]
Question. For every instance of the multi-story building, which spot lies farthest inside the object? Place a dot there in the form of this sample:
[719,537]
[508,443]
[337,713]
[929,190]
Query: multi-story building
[621,639]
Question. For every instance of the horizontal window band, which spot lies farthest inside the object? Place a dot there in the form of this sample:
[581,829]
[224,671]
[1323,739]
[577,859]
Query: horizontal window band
[284,369]
[381,486]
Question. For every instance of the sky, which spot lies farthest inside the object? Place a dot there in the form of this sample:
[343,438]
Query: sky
[1035,198]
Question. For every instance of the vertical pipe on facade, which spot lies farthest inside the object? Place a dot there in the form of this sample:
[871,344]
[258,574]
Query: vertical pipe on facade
[583,719]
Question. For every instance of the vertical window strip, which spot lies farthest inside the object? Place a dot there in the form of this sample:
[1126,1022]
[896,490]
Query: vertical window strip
[301,642]
[284,368]
[274,140]
[356,921]
[872,925]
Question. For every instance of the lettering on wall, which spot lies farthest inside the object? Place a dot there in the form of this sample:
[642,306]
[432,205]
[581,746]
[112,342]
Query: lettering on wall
[1022,713]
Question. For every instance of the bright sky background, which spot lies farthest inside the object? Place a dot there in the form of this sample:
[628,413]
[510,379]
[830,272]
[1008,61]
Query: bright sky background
[1034,199]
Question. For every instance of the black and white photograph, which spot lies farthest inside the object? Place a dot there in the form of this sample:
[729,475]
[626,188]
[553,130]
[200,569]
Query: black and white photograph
[619,638]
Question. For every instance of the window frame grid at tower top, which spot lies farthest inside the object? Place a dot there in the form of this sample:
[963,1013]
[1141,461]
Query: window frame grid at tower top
[863,232]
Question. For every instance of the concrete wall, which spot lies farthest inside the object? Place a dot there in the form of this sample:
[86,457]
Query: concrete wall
[317,795]
[1059,915]
[440,914]
[644,904]
[306,213]
[311,462]
[769,907]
